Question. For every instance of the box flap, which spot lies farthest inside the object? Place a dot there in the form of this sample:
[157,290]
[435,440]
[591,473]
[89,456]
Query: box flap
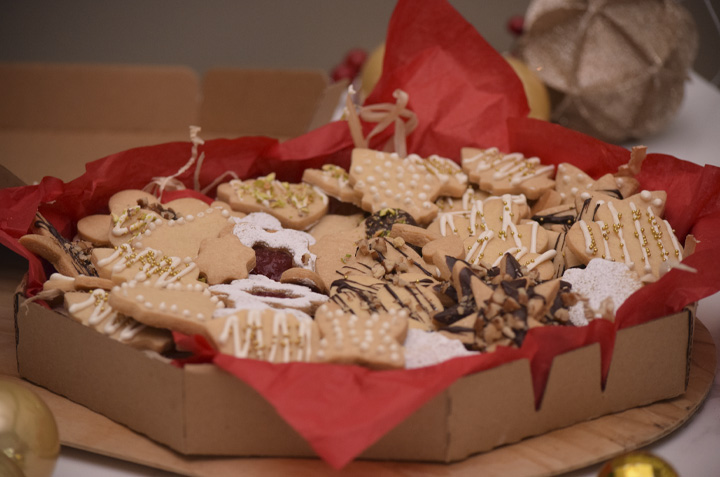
[97,97]
[276,103]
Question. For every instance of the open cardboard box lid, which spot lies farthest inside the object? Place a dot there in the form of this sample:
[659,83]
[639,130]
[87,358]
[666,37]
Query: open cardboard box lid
[57,117]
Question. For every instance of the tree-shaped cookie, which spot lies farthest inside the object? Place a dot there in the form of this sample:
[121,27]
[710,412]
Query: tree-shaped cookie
[374,340]
[412,184]
[268,335]
[500,173]
[630,231]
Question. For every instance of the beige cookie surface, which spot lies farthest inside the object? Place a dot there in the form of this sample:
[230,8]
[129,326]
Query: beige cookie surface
[258,292]
[177,307]
[268,335]
[630,231]
[224,259]
[126,263]
[499,173]
[334,181]
[332,224]
[297,206]
[95,229]
[182,237]
[411,184]
[374,341]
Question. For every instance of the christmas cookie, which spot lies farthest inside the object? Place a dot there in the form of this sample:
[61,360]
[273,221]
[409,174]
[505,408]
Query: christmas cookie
[71,258]
[374,340]
[334,181]
[412,184]
[176,307]
[499,173]
[259,292]
[630,231]
[224,259]
[297,206]
[268,335]
[92,309]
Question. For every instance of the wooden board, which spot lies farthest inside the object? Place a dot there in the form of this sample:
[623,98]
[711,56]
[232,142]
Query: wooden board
[556,452]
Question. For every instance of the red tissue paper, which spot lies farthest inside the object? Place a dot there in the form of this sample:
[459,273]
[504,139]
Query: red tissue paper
[464,94]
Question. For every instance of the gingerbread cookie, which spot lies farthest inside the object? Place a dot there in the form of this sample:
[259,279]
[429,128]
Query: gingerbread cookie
[374,341]
[224,259]
[332,224]
[68,258]
[176,307]
[182,237]
[95,229]
[630,231]
[92,309]
[363,295]
[500,174]
[496,307]
[259,292]
[126,263]
[263,230]
[334,181]
[411,184]
[297,206]
[268,335]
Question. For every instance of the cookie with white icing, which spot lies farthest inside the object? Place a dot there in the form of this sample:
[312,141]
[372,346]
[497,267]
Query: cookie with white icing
[297,206]
[411,184]
[631,231]
[374,340]
[268,335]
[259,292]
[177,307]
[334,181]
[499,173]
[127,263]
[93,310]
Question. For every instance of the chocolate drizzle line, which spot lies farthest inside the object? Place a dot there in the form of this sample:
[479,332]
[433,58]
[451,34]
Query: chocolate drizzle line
[80,261]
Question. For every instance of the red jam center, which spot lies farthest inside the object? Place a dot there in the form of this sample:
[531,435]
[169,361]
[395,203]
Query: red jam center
[271,262]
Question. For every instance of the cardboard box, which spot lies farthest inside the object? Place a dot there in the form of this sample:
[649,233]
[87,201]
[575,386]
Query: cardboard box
[201,410]
[55,118]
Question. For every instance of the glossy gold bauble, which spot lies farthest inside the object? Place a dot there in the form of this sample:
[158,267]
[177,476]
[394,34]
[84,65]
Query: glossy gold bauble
[28,432]
[535,90]
[372,70]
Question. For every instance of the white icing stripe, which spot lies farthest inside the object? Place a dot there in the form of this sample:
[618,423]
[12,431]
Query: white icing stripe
[676,243]
[640,236]
[481,242]
[618,230]
[533,237]
[544,257]
[606,244]
[586,235]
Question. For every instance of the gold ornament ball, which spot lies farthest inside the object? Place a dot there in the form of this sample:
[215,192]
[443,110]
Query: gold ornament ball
[372,70]
[535,90]
[28,432]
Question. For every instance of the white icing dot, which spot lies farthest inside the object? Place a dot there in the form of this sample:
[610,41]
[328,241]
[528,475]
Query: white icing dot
[140,298]
[645,195]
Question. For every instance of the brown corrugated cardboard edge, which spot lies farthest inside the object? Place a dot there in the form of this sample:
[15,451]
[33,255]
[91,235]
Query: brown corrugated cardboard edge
[562,450]
[203,410]
[57,117]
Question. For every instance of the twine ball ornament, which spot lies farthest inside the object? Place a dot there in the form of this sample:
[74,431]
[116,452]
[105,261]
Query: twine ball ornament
[29,440]
[618,66]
